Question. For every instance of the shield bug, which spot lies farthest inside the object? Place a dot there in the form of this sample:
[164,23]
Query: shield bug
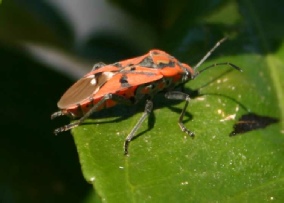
[127,82]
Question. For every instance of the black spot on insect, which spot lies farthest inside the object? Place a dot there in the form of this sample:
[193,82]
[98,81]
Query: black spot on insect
[133,68]
[117,64]
[163,65]
[124,81]
[98,66]
[147,62]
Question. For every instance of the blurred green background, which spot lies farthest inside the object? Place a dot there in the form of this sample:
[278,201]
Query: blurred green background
[46,45]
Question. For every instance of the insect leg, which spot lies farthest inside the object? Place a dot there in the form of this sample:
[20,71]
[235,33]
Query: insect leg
[56,114]
[98,65]
[114,97]
[147,111]
[180,96]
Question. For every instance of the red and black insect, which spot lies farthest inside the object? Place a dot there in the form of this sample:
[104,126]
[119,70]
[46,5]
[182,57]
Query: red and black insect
[127,82]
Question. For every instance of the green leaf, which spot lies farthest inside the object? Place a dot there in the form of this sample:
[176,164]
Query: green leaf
[164,164]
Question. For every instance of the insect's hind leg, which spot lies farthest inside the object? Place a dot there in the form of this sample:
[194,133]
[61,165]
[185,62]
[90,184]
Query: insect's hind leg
[181,96]
[98,66]
[56,114]
[147,111]
[114,97]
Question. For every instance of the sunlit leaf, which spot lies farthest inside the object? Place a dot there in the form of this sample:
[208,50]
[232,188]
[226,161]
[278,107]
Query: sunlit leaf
[166,166]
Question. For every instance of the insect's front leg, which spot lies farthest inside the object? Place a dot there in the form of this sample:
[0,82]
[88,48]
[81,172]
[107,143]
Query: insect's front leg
[147,111]
[114,97]
[185,97]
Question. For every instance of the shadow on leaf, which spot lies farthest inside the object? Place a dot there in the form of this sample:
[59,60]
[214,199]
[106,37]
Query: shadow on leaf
[252,121]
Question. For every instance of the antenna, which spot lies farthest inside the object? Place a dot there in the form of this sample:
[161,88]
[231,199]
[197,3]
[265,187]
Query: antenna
[213,65]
